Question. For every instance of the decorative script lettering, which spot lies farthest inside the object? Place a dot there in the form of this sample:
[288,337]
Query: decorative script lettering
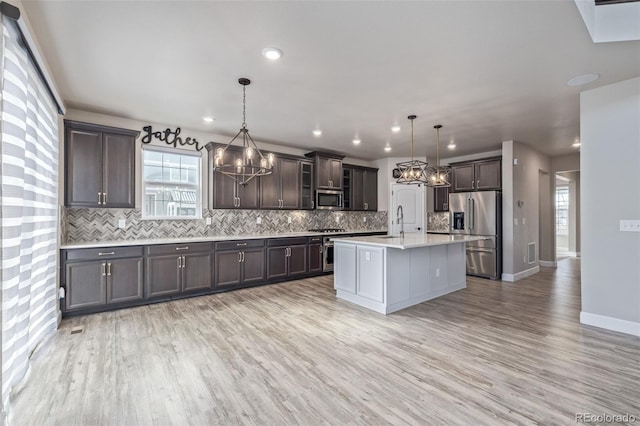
[170,137]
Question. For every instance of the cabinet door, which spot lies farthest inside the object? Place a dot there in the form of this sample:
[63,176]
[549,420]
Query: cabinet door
[322,173]
[463,178]
[488,175]
[223,187]
[290,183]
[163,275]
[196,271]
[344,272]
[371,190]
[357,189]
[298,260]
[370,273]
[315,257]
[83,168]
[227,268]
[86,284]
[118,170]
[441,198]
[306,190]
[270,188]
[276,262]
[249,194]
[253,266]
[335,172]
[124,280]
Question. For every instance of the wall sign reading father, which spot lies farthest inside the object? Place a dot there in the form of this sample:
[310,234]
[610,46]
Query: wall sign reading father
[170,137]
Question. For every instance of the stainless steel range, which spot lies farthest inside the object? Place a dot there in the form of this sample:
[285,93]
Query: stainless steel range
[327,247]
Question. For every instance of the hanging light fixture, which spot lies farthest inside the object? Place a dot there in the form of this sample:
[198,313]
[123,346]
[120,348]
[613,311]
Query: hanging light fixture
[438,175]
[252,163]
[413,171]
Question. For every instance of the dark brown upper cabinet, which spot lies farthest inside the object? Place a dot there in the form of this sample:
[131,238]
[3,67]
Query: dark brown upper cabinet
[481,175]
[225,192]
[441,199]
[281,189]
[99,166]
[328,170]
[360,185]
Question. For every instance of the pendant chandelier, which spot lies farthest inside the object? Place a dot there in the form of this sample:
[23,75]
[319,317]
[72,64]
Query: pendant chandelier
[414,171]
[438,175]
[248,162]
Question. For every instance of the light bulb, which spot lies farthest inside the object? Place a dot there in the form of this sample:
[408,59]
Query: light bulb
[220,152]
[249,152]
[271,158]
[263,163]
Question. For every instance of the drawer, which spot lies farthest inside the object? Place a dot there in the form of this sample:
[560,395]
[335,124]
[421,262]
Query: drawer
[178,248]
[294,241]
[314,240]
[239,245]
[103,253]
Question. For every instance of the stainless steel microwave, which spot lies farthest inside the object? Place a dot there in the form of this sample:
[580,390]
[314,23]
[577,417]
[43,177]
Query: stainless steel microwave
[327,199]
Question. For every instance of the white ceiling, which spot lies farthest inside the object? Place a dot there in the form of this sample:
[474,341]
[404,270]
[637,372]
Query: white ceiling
[488,71]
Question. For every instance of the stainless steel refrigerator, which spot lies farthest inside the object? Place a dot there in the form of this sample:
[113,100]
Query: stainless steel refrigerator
[479,213]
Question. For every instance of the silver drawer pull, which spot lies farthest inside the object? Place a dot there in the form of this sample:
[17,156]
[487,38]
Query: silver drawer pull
[111,253]
[241,244]
[182,248]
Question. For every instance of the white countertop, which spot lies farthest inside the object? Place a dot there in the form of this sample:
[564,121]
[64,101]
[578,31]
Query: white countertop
[409,241]
[203,239]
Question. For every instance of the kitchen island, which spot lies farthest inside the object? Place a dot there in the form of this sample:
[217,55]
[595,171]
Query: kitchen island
[388,273]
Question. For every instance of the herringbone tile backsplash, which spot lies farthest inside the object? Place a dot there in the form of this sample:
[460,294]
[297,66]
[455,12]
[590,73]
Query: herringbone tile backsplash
[92,225]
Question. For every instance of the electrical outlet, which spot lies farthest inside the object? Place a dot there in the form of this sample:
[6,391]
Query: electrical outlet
[630,225]
[524,221]
[365,220]
[208,221]
[337,219]
[437,272]
[367,255]
[288,219]
[259,220]
[122,223]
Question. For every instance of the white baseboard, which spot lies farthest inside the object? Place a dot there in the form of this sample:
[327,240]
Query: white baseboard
[610,323]
[520,275]
[548,263]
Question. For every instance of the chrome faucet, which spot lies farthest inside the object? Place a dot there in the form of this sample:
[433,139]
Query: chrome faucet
[400,218]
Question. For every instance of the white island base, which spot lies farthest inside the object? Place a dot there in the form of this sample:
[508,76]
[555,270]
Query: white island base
[386,275]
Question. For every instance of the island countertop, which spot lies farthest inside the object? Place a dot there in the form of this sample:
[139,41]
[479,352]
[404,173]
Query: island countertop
[408,241]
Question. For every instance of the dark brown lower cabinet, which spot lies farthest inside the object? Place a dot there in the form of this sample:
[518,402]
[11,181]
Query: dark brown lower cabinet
[287,257]
[315,255]
[177,268]
[94,283]
[239,262]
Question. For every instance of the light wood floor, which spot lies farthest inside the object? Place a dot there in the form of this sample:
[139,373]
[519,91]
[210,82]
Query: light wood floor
[494,353]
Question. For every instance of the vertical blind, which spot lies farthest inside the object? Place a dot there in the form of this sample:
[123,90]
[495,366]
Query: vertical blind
[28,192]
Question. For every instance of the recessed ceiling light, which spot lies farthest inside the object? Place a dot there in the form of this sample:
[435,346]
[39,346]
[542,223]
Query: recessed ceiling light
[356,141]
[387,148]
[317,132]
[272,53]
[452,145]
[208,119]
[583,79]
[395,129]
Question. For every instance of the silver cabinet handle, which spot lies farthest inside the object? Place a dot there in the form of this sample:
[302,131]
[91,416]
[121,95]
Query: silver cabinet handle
[239,256]
[104,267]
[472,183]
[321,249]
[313,205]
[366,206]
[241,244]
[104,198]
[109,268]
[184,261]
[182,248]
[242,256]
[238,202]
[99,198]
[179,262]
[111,253]
[478,184]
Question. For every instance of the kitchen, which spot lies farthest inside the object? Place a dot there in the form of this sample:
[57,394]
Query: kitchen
[282,352]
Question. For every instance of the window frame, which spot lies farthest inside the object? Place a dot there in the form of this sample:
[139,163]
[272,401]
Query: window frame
[143,182]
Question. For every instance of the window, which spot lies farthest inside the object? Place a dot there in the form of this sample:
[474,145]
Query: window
[562,210]
[170,184]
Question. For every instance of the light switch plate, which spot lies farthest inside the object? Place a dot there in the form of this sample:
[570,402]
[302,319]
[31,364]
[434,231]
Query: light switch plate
[122,223]
[259,220]
[208,221]
[288,219]
[630,225]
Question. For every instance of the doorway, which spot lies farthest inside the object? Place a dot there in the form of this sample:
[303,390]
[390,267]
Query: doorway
[567,214]
[411,198]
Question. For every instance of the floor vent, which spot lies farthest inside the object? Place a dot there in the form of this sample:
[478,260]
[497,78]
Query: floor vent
[76,330]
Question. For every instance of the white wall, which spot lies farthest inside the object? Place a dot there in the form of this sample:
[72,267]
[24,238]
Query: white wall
[521,208]
[610,191]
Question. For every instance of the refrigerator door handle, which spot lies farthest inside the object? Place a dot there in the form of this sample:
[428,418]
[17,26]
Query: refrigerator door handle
[472,214]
